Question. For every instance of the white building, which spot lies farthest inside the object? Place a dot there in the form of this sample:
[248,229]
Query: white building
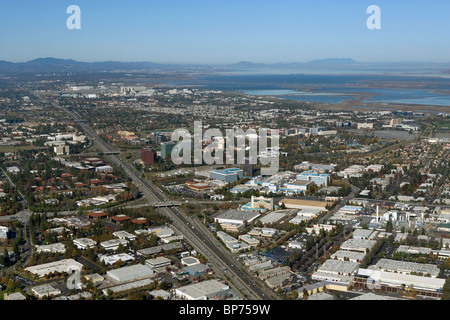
[45,290]
[202,291]
[52,248]
[113,244]
[132,273]
[3,232]
[123,235]
[110,260]
[158,262]
[67,265]
[84,243]
[236,217]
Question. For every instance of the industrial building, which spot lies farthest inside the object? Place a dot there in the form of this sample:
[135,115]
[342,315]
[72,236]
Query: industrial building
[399,280]
[155,250]
[338,271]
[365,234]
[158,262]
[406,267]
[129,286]
[57,266]
[236,217]
[351,256]
[232,244]
[273,217]
[45,290]
[320,179]
[305,204]
[131,273]
[203,290]
[358,245]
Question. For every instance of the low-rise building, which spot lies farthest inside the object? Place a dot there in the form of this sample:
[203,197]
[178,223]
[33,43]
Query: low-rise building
[45,290]
[84,243]
[158,262]
[131,273]
[203,290]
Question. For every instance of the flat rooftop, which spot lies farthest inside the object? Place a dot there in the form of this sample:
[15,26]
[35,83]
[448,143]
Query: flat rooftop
[202,289]
[238,215]
[407,267]
[338,267]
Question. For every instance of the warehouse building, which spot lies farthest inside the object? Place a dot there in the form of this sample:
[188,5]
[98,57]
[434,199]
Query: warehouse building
[406,267]
[351,256]
[305,204]
[158,262]
[398,280]
[339,273]
[365,234]
[155,250]
[273,217]
[129,286]
[45,290]
[203,290]
[236,217]
[358,245]
[132,273]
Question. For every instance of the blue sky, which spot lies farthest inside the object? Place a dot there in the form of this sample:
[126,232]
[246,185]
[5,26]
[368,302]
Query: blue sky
[218,31]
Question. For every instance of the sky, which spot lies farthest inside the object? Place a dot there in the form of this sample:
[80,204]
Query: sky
[225,31]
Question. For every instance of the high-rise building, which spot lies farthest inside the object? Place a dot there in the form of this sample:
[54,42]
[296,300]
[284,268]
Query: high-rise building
[166,149]
[249,170]
[148,156]
[157,138]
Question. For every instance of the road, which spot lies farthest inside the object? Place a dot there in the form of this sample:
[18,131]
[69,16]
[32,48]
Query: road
[194,232]
[23,216]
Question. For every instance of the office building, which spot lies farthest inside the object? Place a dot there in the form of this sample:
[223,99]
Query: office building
[166,149]
[148,156]
[228,175]
[317,178]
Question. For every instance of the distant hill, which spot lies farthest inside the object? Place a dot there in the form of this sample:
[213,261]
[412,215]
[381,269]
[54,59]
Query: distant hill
[53,65]
[246,64]
[333,61]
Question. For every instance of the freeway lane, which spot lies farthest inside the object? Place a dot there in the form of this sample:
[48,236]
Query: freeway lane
[194,232]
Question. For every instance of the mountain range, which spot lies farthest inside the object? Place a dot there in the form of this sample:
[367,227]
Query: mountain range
[54,65]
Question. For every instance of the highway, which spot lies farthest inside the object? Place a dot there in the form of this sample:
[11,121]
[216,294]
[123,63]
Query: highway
[192,229]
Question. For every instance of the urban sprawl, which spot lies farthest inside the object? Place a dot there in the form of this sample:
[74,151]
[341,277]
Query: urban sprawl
[93,208]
